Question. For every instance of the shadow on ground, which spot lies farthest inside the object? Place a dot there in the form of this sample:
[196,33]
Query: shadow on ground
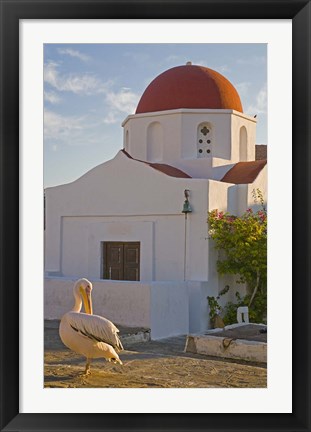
[153,364]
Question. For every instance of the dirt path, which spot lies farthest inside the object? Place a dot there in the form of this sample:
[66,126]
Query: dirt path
[148,364]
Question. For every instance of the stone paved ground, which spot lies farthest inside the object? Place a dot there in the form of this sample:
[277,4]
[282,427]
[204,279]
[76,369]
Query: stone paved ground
[153,364]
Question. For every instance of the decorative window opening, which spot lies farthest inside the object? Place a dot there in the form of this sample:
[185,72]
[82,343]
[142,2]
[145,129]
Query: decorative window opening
[204,140]
[243,144]
[204,130]
[154,142]
[127,140]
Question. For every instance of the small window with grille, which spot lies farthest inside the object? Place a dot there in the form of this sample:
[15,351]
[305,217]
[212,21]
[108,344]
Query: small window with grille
[204,140]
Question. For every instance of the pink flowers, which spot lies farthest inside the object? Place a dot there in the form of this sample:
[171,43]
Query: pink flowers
[259,215]
[262,215]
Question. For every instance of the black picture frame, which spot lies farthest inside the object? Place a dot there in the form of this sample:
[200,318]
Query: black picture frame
[14,10]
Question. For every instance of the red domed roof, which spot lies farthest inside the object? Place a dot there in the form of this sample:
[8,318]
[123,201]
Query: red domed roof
[189,86]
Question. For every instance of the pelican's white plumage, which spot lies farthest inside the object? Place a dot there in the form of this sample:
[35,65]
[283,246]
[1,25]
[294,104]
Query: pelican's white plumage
[90,335]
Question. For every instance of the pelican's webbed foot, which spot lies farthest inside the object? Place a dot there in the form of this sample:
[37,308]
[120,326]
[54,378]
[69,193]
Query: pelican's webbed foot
[87,368]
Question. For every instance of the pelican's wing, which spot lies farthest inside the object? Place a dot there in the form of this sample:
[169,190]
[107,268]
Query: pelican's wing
[95,327]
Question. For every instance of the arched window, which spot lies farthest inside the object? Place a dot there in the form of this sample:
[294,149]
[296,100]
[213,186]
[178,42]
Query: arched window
[204,140]
[127,140]
[243,144]
[154,142]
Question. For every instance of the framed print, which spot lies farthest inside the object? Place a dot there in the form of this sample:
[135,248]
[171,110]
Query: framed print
[47,33]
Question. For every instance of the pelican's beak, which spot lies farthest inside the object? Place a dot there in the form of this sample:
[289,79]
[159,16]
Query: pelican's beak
[87,300]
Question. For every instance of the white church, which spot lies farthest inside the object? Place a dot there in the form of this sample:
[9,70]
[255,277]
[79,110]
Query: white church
[136,225]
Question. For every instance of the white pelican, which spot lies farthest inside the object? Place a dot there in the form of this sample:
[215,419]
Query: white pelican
[90,335]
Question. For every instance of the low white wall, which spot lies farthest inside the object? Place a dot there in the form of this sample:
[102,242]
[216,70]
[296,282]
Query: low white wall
[198,306]
[124,303]
[169,309]
[161,306]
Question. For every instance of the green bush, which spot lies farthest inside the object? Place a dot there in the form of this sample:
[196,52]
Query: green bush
[242,243]
[257,312]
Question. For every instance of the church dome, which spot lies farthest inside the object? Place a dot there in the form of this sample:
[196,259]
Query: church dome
[189,86]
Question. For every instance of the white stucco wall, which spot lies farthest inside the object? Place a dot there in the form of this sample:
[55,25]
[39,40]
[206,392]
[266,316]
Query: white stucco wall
[125,303]
[178,144]
[249,124]
[198,306]
[162,307]
[142,204]
[217,195]
[261,184]
[237,199]
[126,200]
[83,237]
[169,309]
[240,196]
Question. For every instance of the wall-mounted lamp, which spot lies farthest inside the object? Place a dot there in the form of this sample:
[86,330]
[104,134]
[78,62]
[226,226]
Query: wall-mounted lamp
[186,208]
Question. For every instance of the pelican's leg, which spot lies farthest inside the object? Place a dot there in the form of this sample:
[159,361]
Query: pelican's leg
[87,367]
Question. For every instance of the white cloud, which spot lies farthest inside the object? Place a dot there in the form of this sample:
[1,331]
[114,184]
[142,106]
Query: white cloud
[61,128]
[124,101]
[52,97]
[51,74]
[85,84]
[181,60]
[111,118]
[218,68]
[74,53]
[221,69]
[138,57]
[78,84]
[243,88]
[71,130]
[116,102]
[260,104]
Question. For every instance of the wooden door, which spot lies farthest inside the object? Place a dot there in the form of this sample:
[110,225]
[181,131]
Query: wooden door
[121,261]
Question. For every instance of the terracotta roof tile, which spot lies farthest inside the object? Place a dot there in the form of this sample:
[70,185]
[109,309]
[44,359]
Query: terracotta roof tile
[189,86]
[244,172]
[164,168]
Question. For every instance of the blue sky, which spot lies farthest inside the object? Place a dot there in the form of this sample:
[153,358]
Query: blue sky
[89,89]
